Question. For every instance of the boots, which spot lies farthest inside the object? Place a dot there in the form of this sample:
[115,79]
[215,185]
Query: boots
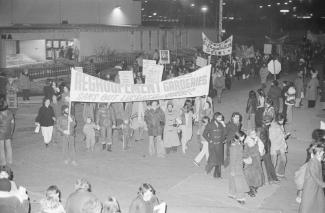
[104,146]
[217,172]
[109,147]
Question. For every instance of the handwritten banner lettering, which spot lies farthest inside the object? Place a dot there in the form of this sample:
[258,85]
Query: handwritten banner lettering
[87,88]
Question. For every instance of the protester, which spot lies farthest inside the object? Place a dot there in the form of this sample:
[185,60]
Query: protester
[218,83]
[312,89]
[171,139]
[145,201]
[215,134]
[155,120]
[88,111]
[105,119]
[205,145]
[264,73]
[7,123]
[66,125]
[275,94]
[237,182]
[111,206]
[82,200]
[51,90]
[251,108]
[25,84]
[186,125]
[137,120]
[260,108]
[299,85]
[52,202]
[279,146]
[289,102]
[269,112]
[263,133]
[232,127]
[45,119]
[313,198]
[13,199]
[252,163]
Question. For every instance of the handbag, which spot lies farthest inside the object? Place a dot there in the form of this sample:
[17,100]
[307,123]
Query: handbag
[37,129]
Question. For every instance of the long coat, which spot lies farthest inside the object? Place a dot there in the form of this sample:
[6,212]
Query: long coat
[237,181]
[253,172]
[313,198]
[215,134]
[311,92]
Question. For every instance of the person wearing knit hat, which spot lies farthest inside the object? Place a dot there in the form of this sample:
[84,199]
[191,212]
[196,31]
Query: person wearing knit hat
[171,139]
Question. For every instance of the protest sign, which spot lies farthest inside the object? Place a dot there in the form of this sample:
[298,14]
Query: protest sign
[201,62]
[147,64]
[126,77]
[219,49]
[87,88]
[154,74]
[164,57]
[268,49]
[244,51]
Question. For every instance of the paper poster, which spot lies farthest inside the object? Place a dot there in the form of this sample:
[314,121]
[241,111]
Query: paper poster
[268,49]
[126,77]
[154,74]
[164,57]
[147,65]
[201,62]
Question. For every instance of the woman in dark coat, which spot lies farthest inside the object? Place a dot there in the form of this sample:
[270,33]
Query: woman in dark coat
[215,135]
[45,119]
[232,127]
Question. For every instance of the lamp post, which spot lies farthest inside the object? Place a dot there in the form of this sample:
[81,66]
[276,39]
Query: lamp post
[219,20]
[204,10]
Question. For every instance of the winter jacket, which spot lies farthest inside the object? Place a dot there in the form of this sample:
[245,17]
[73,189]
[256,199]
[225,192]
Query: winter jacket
[45,116]
[155,120]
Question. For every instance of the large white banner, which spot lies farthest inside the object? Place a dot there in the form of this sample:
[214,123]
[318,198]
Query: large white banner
[87,88]
[219,49]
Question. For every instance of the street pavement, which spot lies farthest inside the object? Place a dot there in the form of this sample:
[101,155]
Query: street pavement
[185,187]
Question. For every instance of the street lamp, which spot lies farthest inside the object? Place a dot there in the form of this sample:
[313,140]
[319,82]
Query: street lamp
[204,10]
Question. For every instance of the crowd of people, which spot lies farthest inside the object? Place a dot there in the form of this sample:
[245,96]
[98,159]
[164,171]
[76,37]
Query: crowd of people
[254,155]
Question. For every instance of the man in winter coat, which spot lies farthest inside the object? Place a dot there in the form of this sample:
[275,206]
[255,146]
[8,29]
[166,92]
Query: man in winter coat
[105,118]
[155,120]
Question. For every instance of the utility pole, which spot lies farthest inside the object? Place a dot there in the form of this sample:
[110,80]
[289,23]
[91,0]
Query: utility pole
[219,20]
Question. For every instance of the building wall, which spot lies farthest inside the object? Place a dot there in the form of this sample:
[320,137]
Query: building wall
[142,40]
[33,48]
[73,11]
